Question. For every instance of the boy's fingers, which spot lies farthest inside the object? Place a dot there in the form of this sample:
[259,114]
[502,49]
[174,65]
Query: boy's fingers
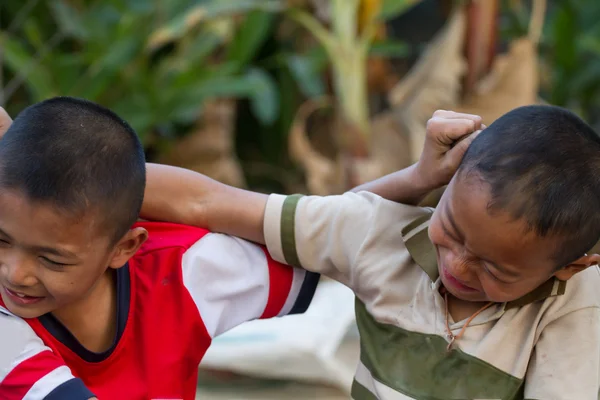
[5,121]
[455,115]
[448,131]
[462,145]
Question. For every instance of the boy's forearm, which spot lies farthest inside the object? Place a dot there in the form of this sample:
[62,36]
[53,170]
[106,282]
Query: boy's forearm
[404,186]
[186,197]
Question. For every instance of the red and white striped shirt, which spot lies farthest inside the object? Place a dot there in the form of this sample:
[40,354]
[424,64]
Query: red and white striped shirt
[185,286]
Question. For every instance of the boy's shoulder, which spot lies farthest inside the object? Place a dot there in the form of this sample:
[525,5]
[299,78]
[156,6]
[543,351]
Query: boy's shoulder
[574,299]
[166,235]
[162,254]
[580,292]
[385,214]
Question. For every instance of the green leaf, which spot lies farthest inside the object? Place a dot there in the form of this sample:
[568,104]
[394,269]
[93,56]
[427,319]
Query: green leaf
[68,19]
[590,43]
[307,74]
[66,68]
[121,53]
[183,23]
[184,113]
[32,31]
[223,87]
[588,76]
[393,8]
[139,6]
[250,36]
[94,87]
[255,85]
[264,98]
[192,53]
[137,111]
[564,35]
[390,49]
[20,61]
[310,23]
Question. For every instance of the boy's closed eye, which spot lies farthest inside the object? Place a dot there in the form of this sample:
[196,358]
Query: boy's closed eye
[495,272]
[54,263]
[488,269]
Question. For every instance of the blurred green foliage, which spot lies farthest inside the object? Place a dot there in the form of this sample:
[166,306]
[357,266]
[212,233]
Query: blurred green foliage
[569,53]
[156,62]
[102,51]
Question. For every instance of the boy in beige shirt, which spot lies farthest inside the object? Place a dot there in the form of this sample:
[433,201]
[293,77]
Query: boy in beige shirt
[489,296]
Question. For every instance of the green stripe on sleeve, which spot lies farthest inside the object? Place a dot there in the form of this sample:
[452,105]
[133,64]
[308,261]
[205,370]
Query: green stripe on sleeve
[288,226]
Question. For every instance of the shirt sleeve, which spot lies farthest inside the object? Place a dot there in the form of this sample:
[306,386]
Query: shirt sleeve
[233,281]
[31,371]
[565,364]
[331,234]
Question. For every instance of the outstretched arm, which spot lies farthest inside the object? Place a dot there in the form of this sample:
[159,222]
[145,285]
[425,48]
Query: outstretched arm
[182,196]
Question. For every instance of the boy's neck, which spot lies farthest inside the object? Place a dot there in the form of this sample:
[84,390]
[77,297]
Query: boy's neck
[92,320]
[462,309]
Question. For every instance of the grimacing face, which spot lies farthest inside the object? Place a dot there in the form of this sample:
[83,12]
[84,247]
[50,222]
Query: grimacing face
[50,261]
[490,257]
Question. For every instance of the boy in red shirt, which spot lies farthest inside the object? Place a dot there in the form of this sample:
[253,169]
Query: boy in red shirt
[128,308]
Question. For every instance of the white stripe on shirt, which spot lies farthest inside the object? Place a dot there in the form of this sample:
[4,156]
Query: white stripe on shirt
[48,383]
[298,280]
[228,279]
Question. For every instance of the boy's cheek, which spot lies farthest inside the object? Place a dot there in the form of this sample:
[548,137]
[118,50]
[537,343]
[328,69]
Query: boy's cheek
[436,235]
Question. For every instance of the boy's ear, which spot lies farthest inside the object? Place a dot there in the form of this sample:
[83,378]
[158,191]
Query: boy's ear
[128,246]
[576,266]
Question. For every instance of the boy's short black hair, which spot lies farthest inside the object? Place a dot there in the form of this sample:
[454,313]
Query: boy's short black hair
[542,164]
[78,156]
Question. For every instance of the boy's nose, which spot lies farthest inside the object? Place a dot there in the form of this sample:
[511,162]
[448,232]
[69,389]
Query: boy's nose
[462,269]
[18,274]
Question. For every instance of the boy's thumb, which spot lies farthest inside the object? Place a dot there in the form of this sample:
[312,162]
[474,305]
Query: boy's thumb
[462,146]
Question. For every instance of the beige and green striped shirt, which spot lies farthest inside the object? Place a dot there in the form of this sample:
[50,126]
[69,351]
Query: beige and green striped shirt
[544,346]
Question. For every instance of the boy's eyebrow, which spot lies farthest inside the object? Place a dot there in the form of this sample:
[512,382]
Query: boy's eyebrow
[54,251]
[453,222]
[48,250]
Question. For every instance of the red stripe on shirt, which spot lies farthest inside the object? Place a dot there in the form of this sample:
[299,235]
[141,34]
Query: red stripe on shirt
[280,284]
[21,378]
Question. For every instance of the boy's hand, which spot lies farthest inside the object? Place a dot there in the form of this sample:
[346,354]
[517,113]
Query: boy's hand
[5,121]
[448,136]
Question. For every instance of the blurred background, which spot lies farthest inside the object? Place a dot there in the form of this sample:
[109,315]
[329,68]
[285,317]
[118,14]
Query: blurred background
[311,96]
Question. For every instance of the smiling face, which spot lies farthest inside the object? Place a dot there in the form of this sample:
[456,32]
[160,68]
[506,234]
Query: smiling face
[485,256]
[49,261]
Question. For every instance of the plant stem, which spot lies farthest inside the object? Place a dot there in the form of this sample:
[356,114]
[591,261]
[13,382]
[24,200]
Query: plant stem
[348,52]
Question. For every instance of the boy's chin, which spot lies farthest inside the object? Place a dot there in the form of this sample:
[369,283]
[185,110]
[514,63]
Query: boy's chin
[474,298]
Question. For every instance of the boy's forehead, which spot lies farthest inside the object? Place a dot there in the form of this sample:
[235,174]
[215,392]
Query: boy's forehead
[42,224]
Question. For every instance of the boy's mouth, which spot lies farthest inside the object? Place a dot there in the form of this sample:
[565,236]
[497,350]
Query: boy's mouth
[21,299]
[455,283]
